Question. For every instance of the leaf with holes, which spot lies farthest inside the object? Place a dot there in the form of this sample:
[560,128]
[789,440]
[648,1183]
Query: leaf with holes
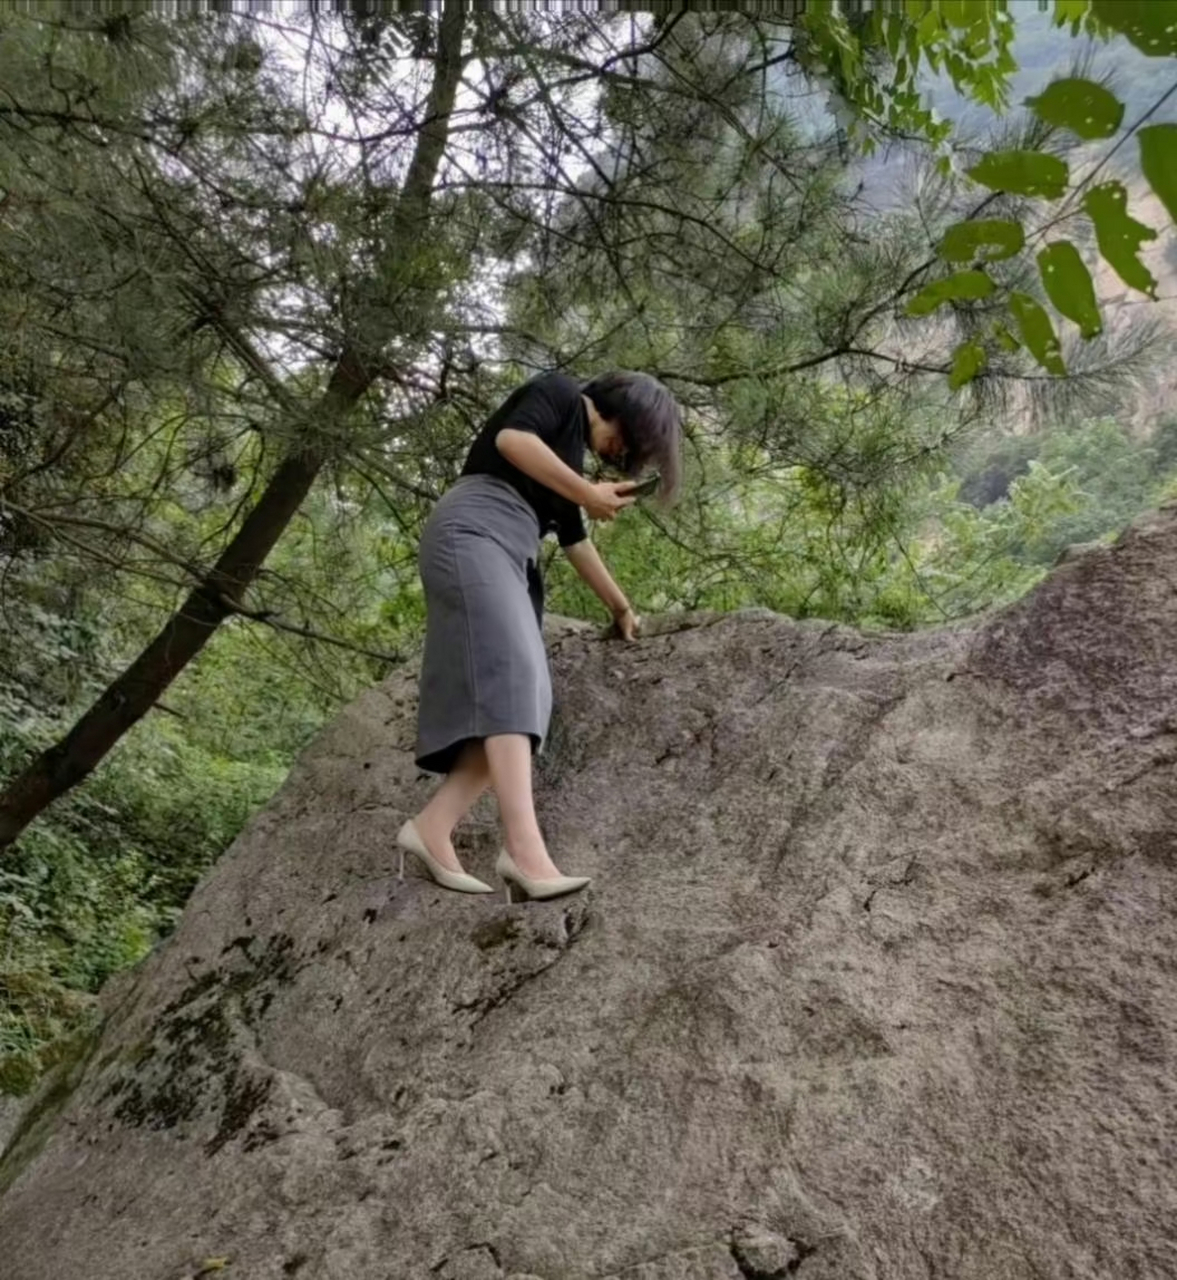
[1158,160]
[1027,173]
[982,240]
[963,286]
[1037,332]
[967,361]
[1084,107]
[1119,235]
[1151,25]
[1068,285]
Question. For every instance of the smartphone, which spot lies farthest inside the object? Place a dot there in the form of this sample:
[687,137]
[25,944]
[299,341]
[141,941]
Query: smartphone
[644,487]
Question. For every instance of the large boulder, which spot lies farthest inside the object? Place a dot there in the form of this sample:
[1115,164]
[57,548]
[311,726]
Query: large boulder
[876,979]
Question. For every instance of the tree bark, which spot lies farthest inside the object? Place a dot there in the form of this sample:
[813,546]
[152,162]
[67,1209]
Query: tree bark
[133,694]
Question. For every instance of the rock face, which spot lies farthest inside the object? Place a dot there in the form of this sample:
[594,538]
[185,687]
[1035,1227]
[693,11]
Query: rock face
[877,979]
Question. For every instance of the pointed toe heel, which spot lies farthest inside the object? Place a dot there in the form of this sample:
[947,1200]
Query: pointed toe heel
[555,887]
[409,841]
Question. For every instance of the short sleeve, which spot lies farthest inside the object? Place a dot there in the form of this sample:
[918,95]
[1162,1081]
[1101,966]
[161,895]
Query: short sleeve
[541,407]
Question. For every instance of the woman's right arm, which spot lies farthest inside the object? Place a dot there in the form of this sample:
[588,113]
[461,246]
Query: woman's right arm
[525,450]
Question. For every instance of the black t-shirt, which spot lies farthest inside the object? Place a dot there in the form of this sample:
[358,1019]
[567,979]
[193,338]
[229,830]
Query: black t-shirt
[550,406]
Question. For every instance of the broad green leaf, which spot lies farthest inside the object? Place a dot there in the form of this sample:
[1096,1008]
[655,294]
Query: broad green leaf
[963,285]
[956,13]
[1158,159]
[967,361]
[1068,285]
[1119,235]
[1028,173]
[983,239]
[1037,332]
[1084,107]
[929,26]
[1151,25]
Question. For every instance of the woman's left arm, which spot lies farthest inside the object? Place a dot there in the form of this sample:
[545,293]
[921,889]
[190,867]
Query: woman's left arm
[591,568]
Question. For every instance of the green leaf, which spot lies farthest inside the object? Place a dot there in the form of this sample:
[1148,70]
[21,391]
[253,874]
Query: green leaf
[1151,25]
[1073,11]
[1084,107]
[892,33]
[913,49]
[1158,159]
[956,13]
[1119,235]
[1005,339]
[967,361]
[960,286]
[983,239]
[1028,173]
[1037,332]
[1068,285]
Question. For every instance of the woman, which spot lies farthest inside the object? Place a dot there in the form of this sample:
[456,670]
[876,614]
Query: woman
[486,695]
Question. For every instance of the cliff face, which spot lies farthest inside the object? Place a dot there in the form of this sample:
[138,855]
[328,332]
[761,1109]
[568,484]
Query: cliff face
[875,980]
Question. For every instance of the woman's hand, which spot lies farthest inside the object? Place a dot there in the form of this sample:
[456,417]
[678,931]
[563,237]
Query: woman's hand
[627,623]
[605,499]
[591,568]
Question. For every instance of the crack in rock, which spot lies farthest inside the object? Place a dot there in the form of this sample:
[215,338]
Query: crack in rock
[522,951]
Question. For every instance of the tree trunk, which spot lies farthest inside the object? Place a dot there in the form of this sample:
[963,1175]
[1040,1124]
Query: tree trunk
[132,695]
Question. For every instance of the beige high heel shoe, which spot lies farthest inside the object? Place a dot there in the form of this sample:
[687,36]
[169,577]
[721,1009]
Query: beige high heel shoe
[408,838]
[554,887]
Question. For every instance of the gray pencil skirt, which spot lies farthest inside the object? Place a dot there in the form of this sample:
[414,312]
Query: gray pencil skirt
[485,669]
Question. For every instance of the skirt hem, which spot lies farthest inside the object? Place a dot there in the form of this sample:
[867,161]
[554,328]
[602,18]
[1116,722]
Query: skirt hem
[442,759]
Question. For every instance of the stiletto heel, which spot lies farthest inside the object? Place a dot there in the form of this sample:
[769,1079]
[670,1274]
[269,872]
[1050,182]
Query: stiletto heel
[555,887]
[409,840]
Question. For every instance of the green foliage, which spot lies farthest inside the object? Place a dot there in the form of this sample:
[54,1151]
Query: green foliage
[959,287]
[1027,173]
[1119,235]
[1068,285]
[982,240]
[967,361]
[874,69]
[1087,109]
[104,873]
[101,877]
[973,529]
[1111,478]
[1037,332]
[1151,25]
[214,219]
[1115,478]
[1158,161]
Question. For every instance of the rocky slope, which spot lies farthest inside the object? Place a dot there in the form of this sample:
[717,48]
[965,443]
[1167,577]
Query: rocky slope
[875,980]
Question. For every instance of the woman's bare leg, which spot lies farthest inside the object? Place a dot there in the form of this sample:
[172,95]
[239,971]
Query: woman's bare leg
[452,801]
[509,757]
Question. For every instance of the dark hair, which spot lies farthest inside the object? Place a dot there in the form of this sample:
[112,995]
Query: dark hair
[650,422]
